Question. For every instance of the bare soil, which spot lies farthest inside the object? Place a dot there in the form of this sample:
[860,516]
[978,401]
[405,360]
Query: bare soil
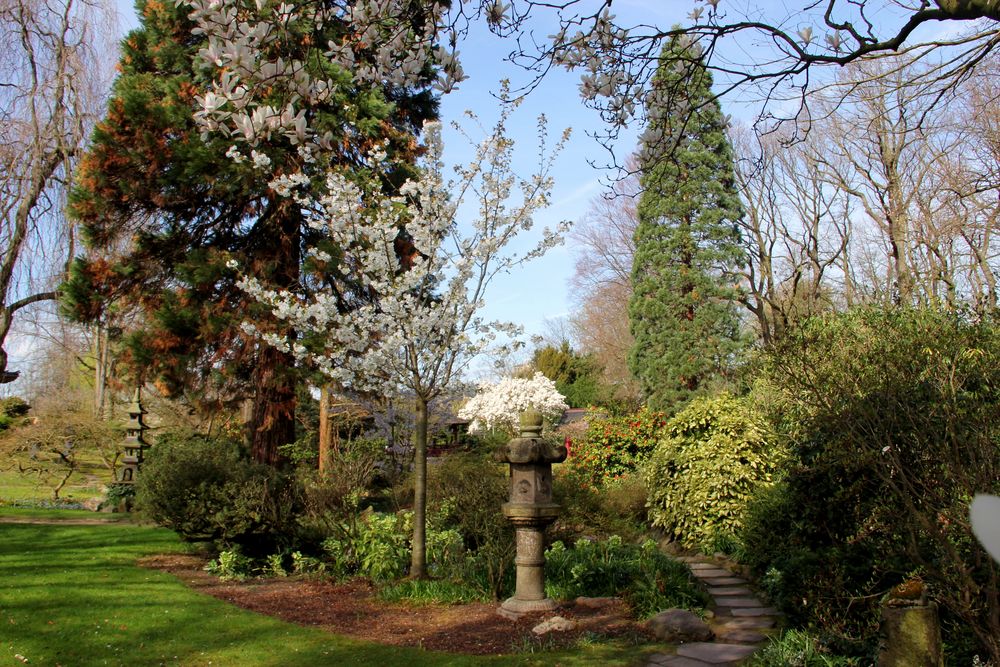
[354,610]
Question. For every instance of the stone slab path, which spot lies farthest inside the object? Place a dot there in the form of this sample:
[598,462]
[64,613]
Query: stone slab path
[741,623]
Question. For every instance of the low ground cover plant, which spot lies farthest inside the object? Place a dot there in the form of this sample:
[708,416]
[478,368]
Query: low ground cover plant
[646,578]
[797,648]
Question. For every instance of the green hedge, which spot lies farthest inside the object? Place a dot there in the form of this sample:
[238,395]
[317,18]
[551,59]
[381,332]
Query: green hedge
[205,490]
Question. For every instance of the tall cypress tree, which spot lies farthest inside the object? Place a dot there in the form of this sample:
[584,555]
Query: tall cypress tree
[163,211]
[683,311]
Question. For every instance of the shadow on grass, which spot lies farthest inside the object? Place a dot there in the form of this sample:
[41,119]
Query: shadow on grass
[72,595]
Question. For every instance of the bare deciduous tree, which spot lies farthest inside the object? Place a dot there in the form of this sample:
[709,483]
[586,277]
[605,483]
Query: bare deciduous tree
[604,244]
[52,80]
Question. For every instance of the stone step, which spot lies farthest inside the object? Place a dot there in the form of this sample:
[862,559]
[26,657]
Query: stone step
[730,601]
[663,660]
[727,580]
[711,573]
[698,565]
[740,636]
[751,623]
[681,661]
[715,653]
[729,590]
[756,611]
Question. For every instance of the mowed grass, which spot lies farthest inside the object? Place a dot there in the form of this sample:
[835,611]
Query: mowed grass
[73,596]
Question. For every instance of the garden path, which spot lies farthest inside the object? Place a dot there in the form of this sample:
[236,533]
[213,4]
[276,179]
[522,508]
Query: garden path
[741,622]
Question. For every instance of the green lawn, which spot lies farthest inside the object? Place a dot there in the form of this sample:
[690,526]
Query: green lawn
[72,595]
[85,483]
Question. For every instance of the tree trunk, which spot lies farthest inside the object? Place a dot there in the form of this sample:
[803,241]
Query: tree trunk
[100,371]
[418,556]
[324,428]
[272,420]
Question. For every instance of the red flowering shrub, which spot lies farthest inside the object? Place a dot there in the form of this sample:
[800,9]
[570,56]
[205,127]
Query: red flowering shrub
[615,446]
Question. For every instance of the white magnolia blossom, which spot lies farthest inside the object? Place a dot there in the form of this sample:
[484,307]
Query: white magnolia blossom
[243,43]
[498,406]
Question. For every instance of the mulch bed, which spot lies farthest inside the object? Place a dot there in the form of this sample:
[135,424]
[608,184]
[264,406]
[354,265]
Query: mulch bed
[352,609]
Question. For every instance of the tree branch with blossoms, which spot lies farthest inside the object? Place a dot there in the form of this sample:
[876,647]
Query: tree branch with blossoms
[418,277]
[497,406]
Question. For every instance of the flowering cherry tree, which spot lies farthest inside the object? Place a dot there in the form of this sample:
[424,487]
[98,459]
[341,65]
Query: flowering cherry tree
[421,277]
[497,406]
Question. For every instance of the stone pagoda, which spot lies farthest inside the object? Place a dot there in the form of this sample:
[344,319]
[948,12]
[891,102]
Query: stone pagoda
[134,445]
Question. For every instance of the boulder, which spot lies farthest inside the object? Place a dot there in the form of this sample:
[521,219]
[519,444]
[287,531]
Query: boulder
[679,625]
[554,624]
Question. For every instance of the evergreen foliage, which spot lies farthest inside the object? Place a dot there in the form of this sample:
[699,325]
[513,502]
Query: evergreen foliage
[707,469]
[683,311]
[163,212]
[577,376]
[891,420]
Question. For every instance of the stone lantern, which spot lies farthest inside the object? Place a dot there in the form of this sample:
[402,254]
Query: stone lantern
[530,509]
[134,445]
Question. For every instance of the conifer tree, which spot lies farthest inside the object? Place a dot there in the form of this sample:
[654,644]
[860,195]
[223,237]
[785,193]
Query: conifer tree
[683,311]
[164,208]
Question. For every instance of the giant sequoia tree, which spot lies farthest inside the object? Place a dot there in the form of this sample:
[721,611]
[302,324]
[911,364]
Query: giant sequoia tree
[683,311]
[165,208]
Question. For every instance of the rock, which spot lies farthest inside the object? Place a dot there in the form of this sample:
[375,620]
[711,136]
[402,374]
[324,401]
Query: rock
[92,504]
[554,624]
[679,625]
[595,603]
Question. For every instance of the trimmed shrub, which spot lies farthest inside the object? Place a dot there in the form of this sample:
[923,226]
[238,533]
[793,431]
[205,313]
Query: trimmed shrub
[205,490]
[703,473]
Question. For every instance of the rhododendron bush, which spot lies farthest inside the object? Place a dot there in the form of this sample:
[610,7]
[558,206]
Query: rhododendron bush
[616,446]
[497,405]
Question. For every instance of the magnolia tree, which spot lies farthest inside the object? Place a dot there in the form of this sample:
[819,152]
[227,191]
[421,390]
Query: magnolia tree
[497,406]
